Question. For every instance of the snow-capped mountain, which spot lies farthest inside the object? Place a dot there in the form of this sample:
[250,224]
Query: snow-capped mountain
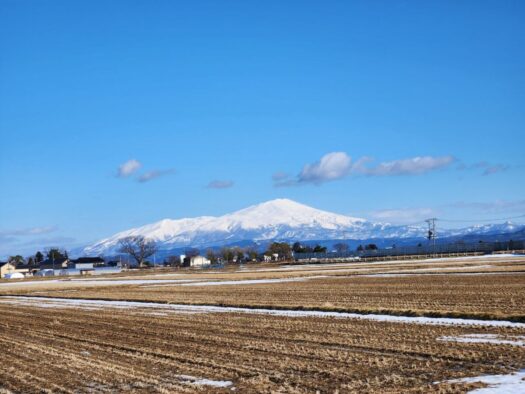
[280,219]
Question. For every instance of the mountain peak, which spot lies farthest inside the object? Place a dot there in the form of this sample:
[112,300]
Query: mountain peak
[284,204]
[283,211]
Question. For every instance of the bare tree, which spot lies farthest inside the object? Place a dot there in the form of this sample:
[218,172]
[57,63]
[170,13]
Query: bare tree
[174,261]
[341,247]
[16,260]
[227,254]
[138,247]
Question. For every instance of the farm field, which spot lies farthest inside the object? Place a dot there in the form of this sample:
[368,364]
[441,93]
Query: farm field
[145,350]
[472,288]
[293,330]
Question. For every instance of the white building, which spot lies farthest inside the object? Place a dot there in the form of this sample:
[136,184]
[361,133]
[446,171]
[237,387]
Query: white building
[199,261]
[14,275]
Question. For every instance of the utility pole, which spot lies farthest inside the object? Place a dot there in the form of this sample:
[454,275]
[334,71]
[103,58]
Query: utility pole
[431,235]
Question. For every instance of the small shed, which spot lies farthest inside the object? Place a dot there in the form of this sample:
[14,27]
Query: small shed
[14,275]
[45,272]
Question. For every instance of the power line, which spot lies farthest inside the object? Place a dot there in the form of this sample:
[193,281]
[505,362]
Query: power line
[432,232]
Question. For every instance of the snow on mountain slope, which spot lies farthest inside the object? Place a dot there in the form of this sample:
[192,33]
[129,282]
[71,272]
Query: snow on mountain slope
[280,219]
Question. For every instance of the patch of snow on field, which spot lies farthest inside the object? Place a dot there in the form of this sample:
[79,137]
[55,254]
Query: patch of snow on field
[387,262]
[497,384]
[29,283]
[181,308]
[251,281]
[452,268]
[204,382]
[485,338]
[360,264]
[99,282]
[133,282]
[118,278]
[401,274]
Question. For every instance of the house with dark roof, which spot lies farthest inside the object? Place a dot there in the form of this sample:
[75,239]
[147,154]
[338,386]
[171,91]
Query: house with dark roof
[57,263]
[89,261]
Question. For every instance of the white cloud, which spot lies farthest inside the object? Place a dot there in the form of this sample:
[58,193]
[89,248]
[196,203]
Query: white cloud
[217,184]
[128,168]
[337,165]
[412,166]
[332,166]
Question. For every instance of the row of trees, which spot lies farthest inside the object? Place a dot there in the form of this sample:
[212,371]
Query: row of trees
[38,257]
[223,255]
[140,249]
[298,248]
[338,247]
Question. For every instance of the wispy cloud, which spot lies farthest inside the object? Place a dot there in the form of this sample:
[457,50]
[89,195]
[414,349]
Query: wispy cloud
[279,176]
[218,184]
[282,179]
[491,206]
[412,166]
[29,231]
[488,168]
[338,165]
[59,241]
[150,175]
[403,215]
[128,168]
[29,240]
[491,170]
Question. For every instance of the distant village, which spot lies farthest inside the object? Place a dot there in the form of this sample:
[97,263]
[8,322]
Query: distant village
[138,252]
[54,263]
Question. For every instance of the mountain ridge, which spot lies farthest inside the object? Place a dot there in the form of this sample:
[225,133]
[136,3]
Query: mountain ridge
[279,219]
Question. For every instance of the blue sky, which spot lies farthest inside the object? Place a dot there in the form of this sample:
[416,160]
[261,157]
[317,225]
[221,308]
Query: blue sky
[389,110]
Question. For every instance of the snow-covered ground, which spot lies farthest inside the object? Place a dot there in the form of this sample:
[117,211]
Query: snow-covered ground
[121,282]
[408,273]
[192,380]
[362,265]
[48,302]
[497,384]
[98,282]
[30,283]
[252,281]
[486,338]
[468,267]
